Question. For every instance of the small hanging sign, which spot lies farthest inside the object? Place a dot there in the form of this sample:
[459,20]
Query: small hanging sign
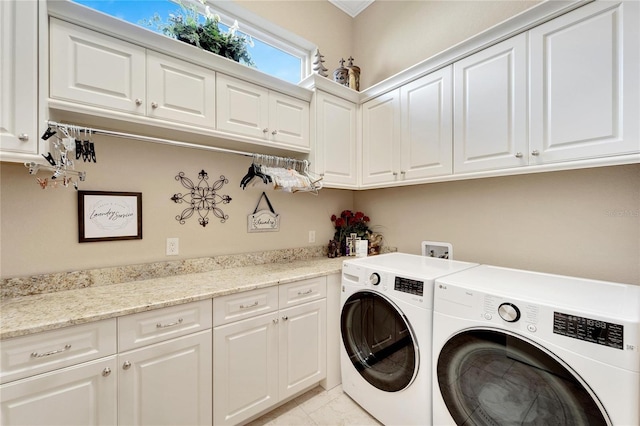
[263,220]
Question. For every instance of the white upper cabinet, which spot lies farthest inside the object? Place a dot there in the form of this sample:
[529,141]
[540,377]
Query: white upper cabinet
[584,75]
[426,106]
[334,152]
[490,112]
[407,132]
[259,113]
[18,78]
[179,91]
[94,69]
[381,139]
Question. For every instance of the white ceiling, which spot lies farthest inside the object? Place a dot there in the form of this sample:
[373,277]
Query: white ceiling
[351,7]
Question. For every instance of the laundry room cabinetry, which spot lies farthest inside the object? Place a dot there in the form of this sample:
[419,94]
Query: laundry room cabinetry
[67,376]
[269,344]
[255,111]
[490,113]
[94,69]
[18,79]
[165,366]
[333,155]
[585,84]
[407,132]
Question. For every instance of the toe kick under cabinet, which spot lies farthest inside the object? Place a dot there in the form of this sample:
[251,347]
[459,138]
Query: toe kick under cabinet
[269,345]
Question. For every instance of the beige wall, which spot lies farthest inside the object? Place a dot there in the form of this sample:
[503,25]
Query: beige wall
[582,222]
[392,35]
[39,228]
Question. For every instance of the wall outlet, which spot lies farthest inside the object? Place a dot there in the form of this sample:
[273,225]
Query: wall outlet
[437,249]
[312,236]
[172,246]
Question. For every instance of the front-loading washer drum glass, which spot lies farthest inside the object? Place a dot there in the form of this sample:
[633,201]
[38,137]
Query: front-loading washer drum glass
[488,377]
[379,341]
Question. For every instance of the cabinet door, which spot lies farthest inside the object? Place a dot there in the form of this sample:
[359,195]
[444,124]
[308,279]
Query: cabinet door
[19,77]
[179,91]
[381,139]
[335,147]
[288,120]
[245,364]
[427,132]
[82,395]
[585,69]
[242,107]
[490,108]
[303,340]
[95,69]
[168,383]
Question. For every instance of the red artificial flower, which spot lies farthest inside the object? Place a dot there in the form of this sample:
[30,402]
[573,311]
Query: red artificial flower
[359,215]
[340,222]
[333,218]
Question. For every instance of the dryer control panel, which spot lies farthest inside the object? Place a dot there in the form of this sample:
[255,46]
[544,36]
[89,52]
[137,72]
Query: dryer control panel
[407,285]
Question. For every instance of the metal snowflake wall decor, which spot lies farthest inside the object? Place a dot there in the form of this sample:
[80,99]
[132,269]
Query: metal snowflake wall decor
[202,198]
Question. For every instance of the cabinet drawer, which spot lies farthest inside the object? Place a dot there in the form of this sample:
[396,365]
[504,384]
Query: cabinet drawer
[50,350]
[155,326]
[243,305]
[302,291]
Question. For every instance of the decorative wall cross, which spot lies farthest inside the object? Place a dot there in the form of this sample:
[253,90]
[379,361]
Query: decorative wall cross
[202,198]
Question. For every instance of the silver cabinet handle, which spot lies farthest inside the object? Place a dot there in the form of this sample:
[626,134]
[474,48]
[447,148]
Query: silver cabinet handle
[535,152]
[284,318]
[265,130]
[154,105]
[171,324]
[275,321]
[23,137]
[54,352]
[106,372]
[249,306]
[518,155]
[126,365]
[302,293]
[395,173]
[138,101]
[275,132]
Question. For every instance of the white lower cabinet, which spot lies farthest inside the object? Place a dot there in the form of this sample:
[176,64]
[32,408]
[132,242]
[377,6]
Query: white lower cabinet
[164,372]
[60,377]
[269,357]
[82,395]
[167,383]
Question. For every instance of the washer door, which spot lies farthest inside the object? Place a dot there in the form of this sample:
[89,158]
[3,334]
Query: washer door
[490,378]
[379,341]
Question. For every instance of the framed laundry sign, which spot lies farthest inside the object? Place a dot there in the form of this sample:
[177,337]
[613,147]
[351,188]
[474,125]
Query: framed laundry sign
[263,220]
[109,216]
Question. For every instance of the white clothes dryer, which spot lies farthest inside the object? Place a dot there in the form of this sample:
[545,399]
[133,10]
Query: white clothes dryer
[517,347]
[386,317]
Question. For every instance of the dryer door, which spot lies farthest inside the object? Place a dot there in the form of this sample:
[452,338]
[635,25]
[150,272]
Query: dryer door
[488,377]
[379,341]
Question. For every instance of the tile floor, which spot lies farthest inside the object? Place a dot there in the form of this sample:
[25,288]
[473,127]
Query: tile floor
[318,407]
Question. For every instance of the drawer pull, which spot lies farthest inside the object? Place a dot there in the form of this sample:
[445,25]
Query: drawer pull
[106,372]
[303,293]
[57,351]
[171,324]
[249,306]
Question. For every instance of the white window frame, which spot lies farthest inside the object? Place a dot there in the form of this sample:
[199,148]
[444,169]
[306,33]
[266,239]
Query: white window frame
[263,30]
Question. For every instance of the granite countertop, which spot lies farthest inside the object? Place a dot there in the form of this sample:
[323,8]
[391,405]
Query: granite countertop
[25,315]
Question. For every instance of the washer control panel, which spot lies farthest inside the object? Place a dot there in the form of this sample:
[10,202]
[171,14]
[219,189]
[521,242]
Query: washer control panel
[407,285]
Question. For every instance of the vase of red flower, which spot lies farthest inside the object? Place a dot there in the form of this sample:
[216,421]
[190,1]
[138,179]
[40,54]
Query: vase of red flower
[347,226]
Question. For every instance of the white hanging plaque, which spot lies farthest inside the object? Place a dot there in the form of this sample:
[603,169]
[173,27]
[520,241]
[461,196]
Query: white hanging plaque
[263,220]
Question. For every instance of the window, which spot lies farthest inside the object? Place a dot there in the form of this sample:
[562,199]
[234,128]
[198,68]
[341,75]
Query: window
[275,51]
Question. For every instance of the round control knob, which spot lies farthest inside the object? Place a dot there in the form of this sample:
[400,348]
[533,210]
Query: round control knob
[509,312]
[374,278]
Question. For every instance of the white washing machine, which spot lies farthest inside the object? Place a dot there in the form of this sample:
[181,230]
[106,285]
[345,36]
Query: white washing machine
[518,347]
[386,317]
